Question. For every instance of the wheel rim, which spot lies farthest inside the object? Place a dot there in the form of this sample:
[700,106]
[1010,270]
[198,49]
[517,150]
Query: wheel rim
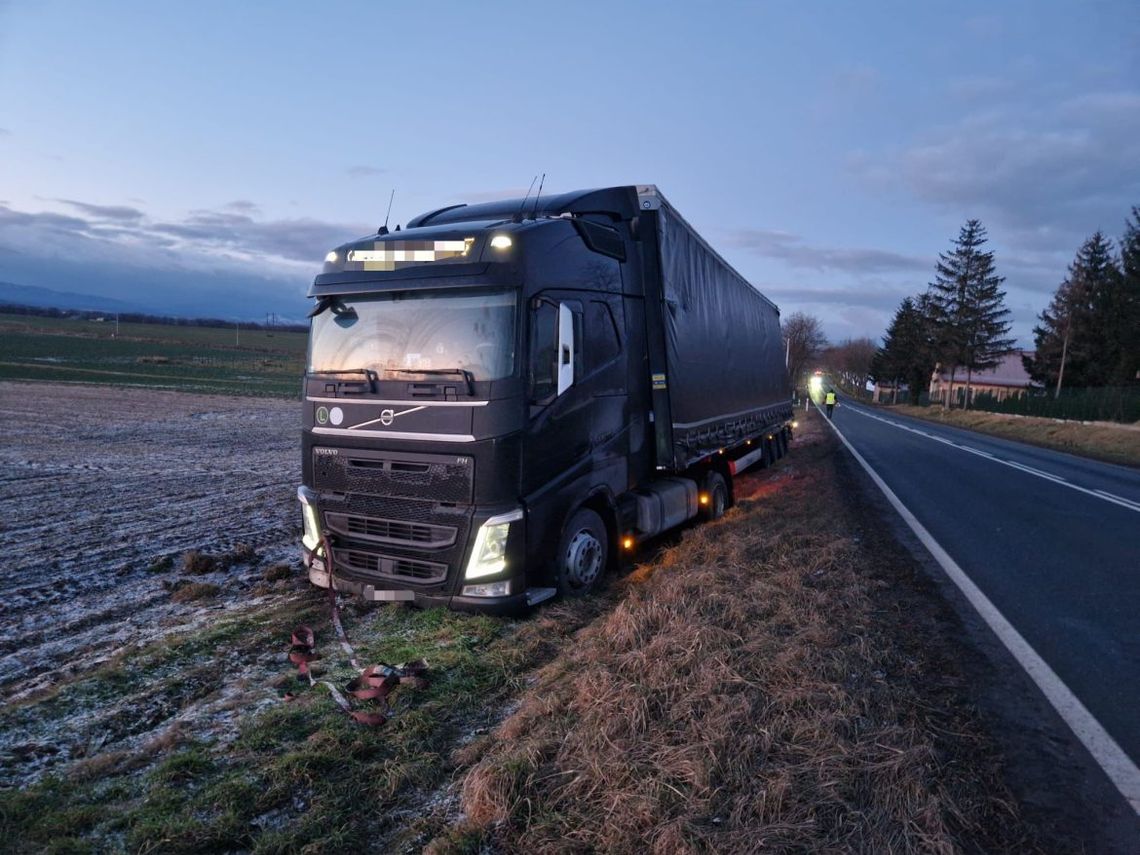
[583,559]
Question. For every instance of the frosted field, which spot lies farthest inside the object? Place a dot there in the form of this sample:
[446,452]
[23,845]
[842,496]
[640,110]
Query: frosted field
[102,492]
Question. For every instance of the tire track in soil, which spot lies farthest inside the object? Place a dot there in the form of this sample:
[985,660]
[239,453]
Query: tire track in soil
[98,484]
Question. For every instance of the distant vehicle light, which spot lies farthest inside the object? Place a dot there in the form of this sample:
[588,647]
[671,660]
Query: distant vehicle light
[501,242]
[816,383]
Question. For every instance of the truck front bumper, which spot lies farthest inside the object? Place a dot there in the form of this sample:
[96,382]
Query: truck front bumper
[513,604]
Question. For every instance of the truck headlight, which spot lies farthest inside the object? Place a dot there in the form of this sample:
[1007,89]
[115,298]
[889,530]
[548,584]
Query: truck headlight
[311,521]
[489,556]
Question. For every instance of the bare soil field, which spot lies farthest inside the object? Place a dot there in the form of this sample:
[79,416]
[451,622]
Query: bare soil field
[103,492]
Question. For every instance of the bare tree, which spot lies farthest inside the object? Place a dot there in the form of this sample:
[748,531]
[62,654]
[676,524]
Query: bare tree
[851,361]
[804,340]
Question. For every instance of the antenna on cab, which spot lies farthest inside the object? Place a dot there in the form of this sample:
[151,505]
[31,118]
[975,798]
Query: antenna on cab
[383,230]
[534,211]
[517,218]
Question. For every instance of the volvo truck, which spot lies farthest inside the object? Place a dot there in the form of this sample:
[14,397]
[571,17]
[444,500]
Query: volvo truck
[504,399]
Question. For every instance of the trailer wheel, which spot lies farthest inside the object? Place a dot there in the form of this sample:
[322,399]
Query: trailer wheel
[717,491]
[582,554]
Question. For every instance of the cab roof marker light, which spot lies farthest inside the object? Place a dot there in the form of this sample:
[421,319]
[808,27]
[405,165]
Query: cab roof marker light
[501,242]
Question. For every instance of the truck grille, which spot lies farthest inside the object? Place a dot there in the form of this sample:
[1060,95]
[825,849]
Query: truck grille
[387,568]
[393,543]
[396,532]
[438,478]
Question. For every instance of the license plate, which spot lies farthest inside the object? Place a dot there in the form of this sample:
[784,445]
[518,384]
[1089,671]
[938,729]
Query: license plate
[395,596]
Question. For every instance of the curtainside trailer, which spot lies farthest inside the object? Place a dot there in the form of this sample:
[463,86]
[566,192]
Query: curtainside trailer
[503,398]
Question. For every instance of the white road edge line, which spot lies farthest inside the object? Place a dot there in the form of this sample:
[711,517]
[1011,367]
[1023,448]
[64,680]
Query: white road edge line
[1110,756]
[1115,498]
[1028,470]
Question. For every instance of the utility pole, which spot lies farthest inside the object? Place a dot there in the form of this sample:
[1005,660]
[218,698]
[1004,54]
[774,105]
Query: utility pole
[237,340]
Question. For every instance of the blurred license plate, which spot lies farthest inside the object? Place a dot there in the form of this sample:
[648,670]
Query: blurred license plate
[394,595]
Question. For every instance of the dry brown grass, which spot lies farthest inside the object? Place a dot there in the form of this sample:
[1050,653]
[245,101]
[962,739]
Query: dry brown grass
[1115,443]
[756,689]
[197,563]
[194,591]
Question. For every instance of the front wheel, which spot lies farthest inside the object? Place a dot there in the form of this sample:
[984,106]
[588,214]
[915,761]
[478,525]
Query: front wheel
[582,554]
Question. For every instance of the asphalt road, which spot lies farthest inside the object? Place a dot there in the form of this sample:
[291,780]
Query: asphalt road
[1052,540]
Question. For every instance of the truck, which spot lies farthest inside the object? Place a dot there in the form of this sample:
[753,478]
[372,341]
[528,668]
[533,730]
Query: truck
[503,400]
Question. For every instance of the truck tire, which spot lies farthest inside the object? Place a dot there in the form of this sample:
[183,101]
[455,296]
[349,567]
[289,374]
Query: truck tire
[582,554]
[717,489]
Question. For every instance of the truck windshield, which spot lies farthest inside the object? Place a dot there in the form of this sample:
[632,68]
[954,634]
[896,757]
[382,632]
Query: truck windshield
[402,331]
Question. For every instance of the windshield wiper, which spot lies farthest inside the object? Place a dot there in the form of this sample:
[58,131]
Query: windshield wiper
[346,386]
[467,376]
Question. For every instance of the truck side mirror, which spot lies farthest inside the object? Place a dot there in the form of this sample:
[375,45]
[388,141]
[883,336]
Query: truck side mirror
[565,348]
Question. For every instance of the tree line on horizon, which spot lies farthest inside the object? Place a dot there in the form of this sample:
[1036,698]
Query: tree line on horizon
[271,324]
[1089,335]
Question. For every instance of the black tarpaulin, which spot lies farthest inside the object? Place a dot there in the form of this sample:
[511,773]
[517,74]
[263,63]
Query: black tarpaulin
[724,347]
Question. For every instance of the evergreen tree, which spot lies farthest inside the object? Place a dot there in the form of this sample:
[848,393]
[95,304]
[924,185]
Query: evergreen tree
[1075,341]
[1127,309]
[907,354]
[968,307]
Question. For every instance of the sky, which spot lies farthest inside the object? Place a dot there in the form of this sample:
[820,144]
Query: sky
[202,157]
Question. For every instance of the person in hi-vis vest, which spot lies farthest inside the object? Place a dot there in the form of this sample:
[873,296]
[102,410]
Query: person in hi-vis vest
[829,400]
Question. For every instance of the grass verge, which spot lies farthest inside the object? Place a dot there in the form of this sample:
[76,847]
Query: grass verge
[289,776]
[1112,443]
[771,683]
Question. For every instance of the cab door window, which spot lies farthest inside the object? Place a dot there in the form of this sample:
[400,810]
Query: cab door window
[545,355]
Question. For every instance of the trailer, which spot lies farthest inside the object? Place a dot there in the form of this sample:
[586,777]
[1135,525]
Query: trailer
[503,399]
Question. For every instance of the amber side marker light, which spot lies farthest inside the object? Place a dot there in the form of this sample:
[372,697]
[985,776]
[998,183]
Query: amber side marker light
[704,498]
[627,542]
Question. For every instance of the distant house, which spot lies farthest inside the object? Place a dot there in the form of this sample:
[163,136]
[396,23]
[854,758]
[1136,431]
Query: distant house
[1008,378]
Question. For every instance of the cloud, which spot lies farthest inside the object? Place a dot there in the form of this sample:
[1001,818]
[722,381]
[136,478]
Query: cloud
[790,249]
[243,206]
[105,212]
[222,233]
[365,171]
[204,239]
[4,132]
[1043,179]
[880,298]
[209,263]
[47,222]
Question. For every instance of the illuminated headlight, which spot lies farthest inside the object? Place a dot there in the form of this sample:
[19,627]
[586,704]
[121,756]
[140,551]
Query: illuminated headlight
[488,589]
[501,242]
[331,258]
[488,558]
[312,523]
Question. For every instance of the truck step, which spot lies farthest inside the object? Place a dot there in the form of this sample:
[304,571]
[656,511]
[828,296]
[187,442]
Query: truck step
[534,596]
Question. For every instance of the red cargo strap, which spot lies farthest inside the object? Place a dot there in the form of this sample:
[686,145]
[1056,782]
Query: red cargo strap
[375,683]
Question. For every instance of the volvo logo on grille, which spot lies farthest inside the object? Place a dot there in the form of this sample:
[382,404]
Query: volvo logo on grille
[387,416]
